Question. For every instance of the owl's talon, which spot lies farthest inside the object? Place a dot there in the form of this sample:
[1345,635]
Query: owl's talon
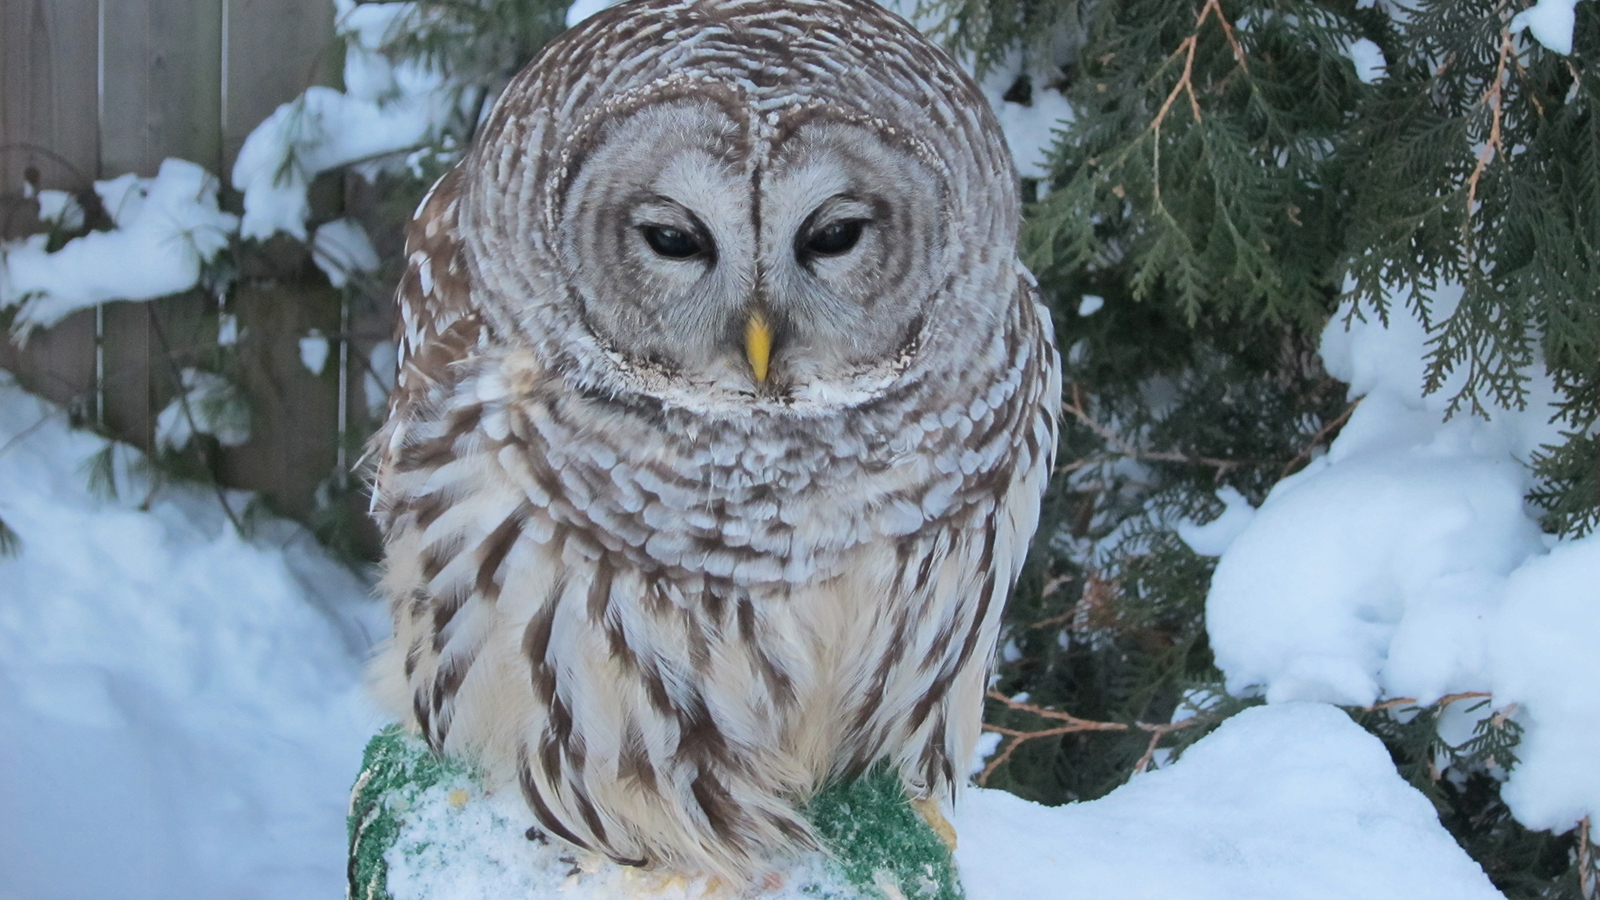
[928,809]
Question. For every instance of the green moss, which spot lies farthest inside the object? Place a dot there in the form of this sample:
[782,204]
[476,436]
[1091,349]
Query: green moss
[870,827]
[395,768]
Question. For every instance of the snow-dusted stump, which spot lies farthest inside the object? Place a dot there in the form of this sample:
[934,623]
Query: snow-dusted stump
[1285,802]
[425,829]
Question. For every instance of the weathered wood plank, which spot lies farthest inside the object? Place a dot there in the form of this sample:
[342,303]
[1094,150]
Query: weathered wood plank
[48,90]
[57,364]
[162,95]
[291,449]
[261,74]
[49,136]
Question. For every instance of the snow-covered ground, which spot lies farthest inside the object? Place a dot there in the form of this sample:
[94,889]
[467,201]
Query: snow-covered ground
[180,709]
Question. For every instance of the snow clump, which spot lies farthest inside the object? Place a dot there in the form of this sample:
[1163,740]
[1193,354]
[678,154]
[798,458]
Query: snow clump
[167,228]
[385,108]
[1406,563]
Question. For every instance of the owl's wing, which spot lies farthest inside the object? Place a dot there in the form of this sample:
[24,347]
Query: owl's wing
[438,328]
[929,649]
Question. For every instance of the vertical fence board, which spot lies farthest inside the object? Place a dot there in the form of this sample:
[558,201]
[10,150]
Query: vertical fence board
[291,448]
[56,363]
[48,130]
[48,74]
[162,97]
[96,88]
[163,85]
[263,74]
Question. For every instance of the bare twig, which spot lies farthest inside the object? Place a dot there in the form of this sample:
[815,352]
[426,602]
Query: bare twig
[1073,725]
[1494,98]
[1446,700]
[1322,435]
[188,415]
[1075,406]
[1157,732]
[1185,84]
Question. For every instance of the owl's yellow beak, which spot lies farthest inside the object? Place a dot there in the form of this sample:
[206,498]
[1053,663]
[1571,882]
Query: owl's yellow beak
[758,345]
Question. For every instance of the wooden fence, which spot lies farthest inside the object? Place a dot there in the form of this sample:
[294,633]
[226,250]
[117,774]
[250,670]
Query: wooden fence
[90,89]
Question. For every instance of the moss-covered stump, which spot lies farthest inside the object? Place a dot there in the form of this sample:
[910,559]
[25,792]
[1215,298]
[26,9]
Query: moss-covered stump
[422,828]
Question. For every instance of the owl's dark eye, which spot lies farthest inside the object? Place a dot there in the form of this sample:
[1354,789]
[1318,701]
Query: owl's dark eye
[672,243]
[834,238]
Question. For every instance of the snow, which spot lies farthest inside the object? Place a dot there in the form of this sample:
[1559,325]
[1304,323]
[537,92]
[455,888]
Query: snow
[1368,59]
[61,209]
[1284,802]
[181,711]
[1544,652]
[342,250]
[314,351]
[167,227]
[1550,22]
[1406,563]
[1031,130]
[212,405]
[1091,304]
[583,9]
[459,843]
[382,362]
[1214,537]
[385,108]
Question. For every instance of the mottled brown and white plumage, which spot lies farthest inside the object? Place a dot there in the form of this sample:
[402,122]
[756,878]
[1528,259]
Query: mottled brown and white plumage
[664,588]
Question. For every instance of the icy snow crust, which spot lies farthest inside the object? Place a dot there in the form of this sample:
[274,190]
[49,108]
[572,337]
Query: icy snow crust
[1405,563]
[180,709]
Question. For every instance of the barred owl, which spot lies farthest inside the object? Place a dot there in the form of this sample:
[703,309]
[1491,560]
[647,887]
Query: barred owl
[724,413]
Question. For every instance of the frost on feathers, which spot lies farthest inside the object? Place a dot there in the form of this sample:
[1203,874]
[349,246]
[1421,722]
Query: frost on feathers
[167,227]
[1405,563]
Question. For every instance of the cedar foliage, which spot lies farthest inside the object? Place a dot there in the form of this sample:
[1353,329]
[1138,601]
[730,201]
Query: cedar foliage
[1227,182]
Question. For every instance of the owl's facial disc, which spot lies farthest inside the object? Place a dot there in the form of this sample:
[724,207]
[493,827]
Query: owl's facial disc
[718,267]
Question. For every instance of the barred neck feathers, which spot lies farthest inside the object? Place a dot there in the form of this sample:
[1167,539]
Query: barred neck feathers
[764,498]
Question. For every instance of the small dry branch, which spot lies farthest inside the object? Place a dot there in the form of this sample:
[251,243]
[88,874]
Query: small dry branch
[1072,725]
[1076,406]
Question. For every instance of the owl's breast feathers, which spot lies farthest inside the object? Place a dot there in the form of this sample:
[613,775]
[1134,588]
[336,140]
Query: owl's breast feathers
[667,629]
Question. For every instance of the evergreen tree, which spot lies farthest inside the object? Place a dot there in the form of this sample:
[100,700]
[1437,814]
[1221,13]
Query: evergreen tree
[1230,178]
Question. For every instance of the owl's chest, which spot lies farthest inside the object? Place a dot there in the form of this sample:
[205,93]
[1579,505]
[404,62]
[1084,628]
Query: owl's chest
[738,505]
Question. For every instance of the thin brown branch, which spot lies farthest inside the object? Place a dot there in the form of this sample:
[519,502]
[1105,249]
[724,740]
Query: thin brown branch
[1074,725]
[1317,440]
[1446,700]
[1157,732]
[1075,406]
[1494,98]
[188,415]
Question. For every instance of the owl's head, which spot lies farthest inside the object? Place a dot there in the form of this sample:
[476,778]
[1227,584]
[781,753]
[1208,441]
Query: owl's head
[739,205]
